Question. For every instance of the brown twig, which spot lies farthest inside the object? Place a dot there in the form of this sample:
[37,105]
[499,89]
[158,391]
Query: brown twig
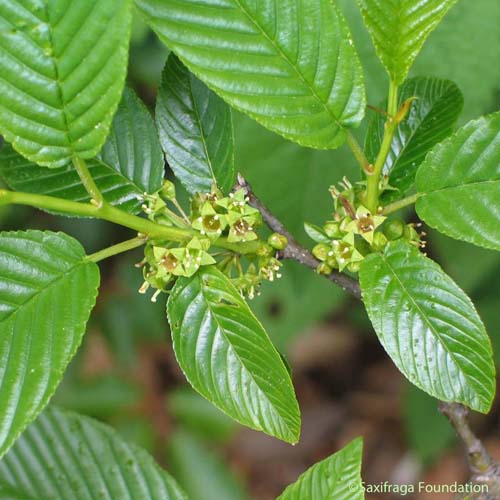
[483,469]
[294,251]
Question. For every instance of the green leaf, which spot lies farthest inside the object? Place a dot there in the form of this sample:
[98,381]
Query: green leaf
[430,120]
[63,66]
[47,291]
[428,326]
[130,163]
[227,356]
[133,148]
[66,456]
[21,174]
[460,180]
[399,29]
[196,130]
[316,233]
[200,470]
[338,477]
[289,65]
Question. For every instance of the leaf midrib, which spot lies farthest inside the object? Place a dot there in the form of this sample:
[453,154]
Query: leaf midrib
[202,131]
[436,334]
[280,51]
[458,186]
[24,304]
[57,81]
[222,330]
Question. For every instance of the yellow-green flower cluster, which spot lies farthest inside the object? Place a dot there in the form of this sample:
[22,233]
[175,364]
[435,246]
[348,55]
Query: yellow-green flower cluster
[354,232]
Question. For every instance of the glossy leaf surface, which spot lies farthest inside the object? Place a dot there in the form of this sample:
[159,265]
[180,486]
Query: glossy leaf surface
[227,356]
[196,130]
[338,476]
[63,66]
[130,163]
[66,456]
[399,29]
[289,65]
[47,292]
[428,326]
[430,120]
[460,180]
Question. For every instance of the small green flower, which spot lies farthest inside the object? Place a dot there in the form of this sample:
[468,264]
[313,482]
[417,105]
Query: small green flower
[210,223]
[365,224]
[269,268]
[182,261]
[346,252]
[241,230]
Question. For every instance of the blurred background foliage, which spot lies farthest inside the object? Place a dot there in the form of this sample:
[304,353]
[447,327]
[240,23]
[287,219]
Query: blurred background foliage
[126,374]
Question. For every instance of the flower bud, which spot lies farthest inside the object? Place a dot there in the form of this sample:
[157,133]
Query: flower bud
[324,268]
[394,229]
[168,190]
[277,241]
[332,230]
[320,251]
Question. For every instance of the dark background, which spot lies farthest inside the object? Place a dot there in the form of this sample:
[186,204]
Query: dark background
[125,372]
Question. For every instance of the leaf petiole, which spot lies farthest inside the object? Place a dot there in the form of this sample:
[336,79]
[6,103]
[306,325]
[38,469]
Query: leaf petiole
[398,205]
[88,181]
[122,247]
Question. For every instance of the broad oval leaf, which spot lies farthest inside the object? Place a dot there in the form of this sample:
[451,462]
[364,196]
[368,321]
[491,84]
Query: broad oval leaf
[228,357]
[337,477]
[291,65]
[63,66]
[130,164]
[66,456]
[430,120]
[460,183]
[47,291]
[196,130]
[428,326]
[399,29]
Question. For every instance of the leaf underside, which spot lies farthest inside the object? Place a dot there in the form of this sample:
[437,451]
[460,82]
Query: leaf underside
[228,357]
[63,66]
[399,29]
[65,456]
[430,120]
[196,130]
[337,477]
[289,64]
[460,180]
[47,292]
[428,326]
